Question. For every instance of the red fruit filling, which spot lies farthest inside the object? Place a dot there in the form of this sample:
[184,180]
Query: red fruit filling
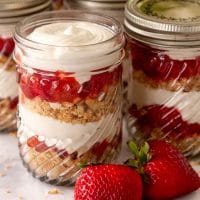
[33,142]
[40,146]
[59,87]
[99,148]
[13,103]
[6,46]
[160,67]
[167,119]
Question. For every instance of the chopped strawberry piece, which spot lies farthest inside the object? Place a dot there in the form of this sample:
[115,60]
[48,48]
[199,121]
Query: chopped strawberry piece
[33,141]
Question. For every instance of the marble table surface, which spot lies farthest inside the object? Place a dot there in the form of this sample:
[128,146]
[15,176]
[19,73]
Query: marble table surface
[17,184]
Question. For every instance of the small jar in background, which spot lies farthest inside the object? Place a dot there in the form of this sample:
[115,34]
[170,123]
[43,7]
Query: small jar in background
[164,87]
[112,8]
[57,4]
[10,13]
[69,69]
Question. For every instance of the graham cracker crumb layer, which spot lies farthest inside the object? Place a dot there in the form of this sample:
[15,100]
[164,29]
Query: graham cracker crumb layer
[7,63]
[88,110]
[186,85]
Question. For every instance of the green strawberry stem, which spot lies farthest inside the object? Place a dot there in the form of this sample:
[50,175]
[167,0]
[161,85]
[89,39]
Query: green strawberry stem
[142,156]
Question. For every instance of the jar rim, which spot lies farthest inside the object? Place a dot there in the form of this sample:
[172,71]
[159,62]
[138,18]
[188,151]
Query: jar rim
[12,11]
[57,16]
[99,4]
[138,23]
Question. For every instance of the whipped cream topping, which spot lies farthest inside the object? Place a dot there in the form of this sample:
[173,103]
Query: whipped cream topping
[71,46]
[8,85]
[70,34]
[187,103]
[72,137]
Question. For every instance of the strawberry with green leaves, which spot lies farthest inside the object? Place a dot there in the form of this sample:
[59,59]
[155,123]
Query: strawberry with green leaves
[167,173]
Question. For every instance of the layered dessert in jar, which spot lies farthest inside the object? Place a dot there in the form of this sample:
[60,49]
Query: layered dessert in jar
[69,78]
[10,13]
[8,86]
[164,91]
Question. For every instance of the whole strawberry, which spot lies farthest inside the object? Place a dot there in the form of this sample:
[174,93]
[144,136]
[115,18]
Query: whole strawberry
[108,182]
[167,173]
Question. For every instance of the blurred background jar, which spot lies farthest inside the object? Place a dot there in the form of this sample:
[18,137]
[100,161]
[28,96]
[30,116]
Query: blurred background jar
[11,12]
[113,9]
[57,4]
[164,87]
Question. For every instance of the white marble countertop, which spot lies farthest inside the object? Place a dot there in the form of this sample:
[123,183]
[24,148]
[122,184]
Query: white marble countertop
[17,184]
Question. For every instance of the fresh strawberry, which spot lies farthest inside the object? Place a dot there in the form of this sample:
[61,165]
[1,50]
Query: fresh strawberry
[167,173]
[108,182]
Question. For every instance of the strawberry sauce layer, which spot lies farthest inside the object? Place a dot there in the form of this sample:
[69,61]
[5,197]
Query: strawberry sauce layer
[6,46]
[167,119]
[63,87]
[159,66]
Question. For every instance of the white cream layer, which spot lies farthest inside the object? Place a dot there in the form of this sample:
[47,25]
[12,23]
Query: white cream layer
[188,103]
[72,137]
[8,84]
[79,47]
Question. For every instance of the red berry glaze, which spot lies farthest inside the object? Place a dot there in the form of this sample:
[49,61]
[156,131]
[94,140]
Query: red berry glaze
[6,46]
[158,66]
[13,103]
[167,119]
[169,174]
[99,148]
[62,87]
[108,182]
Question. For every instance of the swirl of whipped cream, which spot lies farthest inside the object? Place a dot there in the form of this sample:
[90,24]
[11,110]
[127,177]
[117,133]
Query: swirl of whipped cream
[71,46]
[70,34]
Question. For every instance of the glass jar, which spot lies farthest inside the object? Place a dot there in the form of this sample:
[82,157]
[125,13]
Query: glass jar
[70,92]
[164,87]
[10,13]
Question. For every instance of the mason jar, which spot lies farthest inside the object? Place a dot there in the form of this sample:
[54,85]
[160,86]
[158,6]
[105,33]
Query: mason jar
[164,87]
[10,13]
[69,75]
